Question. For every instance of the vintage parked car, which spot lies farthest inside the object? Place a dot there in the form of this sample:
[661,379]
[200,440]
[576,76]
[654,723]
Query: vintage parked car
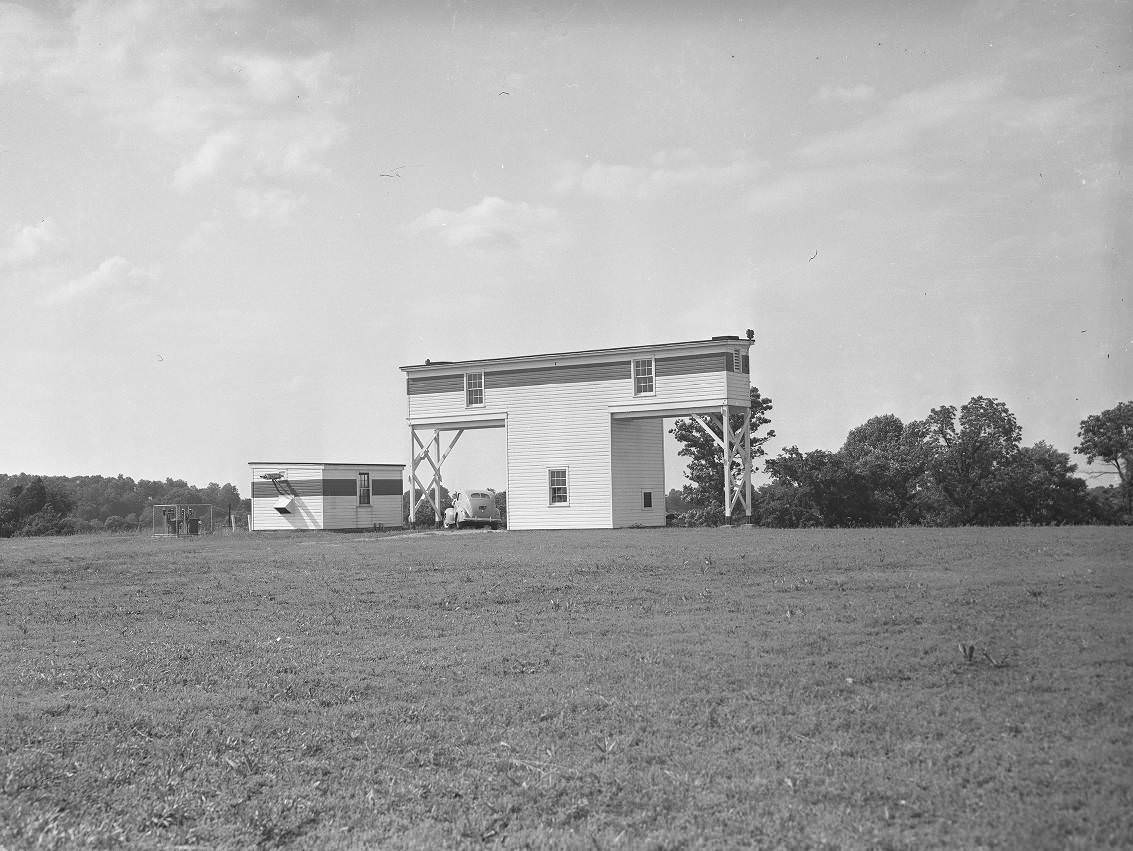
[476,508]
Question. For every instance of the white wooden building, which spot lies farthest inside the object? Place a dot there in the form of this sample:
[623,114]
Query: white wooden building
[583,430]
[318,495]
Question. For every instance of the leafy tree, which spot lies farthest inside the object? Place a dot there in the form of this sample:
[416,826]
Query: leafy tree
[675,502]
[968,457]
[1109,436]
[891,459]
[1107,504]
[706,457]
[785,505]
[31,499]
[826,487]
[82,500]
[1041,488]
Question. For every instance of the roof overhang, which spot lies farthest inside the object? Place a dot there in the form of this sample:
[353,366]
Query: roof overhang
[283,465]
[637,411]
[464,423]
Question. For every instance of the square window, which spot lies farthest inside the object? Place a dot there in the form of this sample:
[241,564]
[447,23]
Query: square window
[363,488]
[646,499]
[473,389]
[643,376]
[557,487]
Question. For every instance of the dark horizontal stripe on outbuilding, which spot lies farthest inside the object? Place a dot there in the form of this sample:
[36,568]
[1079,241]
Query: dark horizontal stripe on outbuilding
[325,487]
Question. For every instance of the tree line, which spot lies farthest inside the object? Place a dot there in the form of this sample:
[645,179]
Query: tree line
[956,467]
[64,505]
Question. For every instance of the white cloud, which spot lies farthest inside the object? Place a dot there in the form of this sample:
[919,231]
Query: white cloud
[950,107]
[184,73]
[30,244]
[493,224]
[115,275]
[808,187]
[22,32]
[665,172]
[275,79]
[206,161]
[272,205]
[199,237]
[859,93]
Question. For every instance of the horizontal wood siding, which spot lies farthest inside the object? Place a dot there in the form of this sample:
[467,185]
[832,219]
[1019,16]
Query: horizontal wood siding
[566,374]
[326,497]
[689,387]
[557,425]
[344,512]
[638,466]
[444,406]
[689,364]
[306,513]
[674,387]
[423,384]
[292,472]
[739,389]
[561,417]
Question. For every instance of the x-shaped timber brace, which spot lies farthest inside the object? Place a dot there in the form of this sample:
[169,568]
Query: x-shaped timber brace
[430,451]
[734,443]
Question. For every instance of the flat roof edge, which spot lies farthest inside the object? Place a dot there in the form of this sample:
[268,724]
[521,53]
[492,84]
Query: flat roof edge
[709,343]
[324,463]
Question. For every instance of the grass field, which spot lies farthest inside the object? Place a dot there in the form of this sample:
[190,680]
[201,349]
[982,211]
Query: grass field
[665,688]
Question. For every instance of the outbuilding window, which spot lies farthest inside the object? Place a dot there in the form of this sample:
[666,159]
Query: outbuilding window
[363,488]
[557,490]
[473,389]
[646,499]
[643,376]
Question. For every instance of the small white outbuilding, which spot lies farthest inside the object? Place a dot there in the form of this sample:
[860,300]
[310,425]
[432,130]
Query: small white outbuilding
[321,495]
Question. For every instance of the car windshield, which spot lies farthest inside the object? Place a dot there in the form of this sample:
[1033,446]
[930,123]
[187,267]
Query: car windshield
[480,496]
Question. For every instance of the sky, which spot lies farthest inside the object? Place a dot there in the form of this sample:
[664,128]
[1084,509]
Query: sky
[224,225]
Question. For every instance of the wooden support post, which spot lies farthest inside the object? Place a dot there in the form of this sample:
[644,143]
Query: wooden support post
[427,451]
[437,477]
[412,475]
[727,429]
[747,463]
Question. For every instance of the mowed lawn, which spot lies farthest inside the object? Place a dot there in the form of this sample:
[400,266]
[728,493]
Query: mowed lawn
[638,688]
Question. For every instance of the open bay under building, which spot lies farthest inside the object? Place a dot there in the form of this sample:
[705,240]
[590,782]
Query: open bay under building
[583,430]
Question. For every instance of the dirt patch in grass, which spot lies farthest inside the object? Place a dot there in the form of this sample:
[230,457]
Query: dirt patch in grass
[645,688]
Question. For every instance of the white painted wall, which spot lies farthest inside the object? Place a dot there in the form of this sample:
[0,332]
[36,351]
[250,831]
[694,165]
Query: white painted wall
[307,512]
[344,512]
[739,387]
[328,512]
[638,466]
[568,425]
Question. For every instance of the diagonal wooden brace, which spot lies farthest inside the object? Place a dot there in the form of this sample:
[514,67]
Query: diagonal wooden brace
[424,451]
